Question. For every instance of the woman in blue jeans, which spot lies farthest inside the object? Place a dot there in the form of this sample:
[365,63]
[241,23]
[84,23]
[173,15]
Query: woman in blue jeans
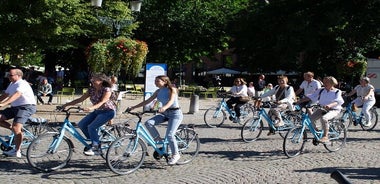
[167,95]
[103,109]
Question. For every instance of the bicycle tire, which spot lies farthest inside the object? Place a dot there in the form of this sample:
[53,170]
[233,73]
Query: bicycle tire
[126,154]
[374,119]
[291,120]
[32,131]
[294,142]
[214,117]
[188,145]
[246,112]
[40,158]
[346,118]
[337,136]
[252,129]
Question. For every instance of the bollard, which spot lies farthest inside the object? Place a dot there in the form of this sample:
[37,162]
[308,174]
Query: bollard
[194,104]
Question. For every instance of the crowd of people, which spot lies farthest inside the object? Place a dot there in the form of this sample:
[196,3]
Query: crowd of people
[101,92]
[311,91]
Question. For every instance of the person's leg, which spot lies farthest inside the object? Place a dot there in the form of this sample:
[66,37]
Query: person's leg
[102,117]
[17,130]
[175,119]
[325,124]
[366,107]
[317,114]
[50,97]
[83,123]
[237,108]
[39,98]
[150,125]
[22,116]
[6,114]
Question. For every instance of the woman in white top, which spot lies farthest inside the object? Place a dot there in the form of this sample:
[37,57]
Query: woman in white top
[284,96]
[251,89]
[238,90]
[365,97]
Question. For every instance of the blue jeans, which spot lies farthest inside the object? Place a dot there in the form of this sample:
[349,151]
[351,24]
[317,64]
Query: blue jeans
[91,123]
[174,118]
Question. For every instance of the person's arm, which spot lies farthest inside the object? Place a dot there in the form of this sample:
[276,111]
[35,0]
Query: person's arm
[366,96]
[78,100]
[145,102]
[49,89]
[106,97]
[352,92]
[11,99]
[299,90]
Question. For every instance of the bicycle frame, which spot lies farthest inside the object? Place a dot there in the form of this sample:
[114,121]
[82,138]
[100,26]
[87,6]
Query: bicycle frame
[223,105]
[6,140]
[145,135]
[306,122]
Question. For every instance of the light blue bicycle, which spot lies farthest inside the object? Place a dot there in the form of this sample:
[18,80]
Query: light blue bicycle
[216,115]
[53,150]
[295,139]
[127,154]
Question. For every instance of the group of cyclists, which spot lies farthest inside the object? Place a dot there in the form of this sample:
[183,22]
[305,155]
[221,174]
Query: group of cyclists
[325,93]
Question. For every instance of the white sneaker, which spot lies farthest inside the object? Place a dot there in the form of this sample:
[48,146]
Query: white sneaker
[92,151]
[367,123]
[12,153]
[174,159]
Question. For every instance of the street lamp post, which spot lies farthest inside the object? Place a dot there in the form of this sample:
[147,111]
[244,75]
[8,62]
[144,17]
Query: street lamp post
[117,24]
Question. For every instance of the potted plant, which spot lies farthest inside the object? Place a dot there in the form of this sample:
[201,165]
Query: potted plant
[110,55]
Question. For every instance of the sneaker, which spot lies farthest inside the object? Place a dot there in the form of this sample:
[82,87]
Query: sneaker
[12,153]
[367,123]
[92,151]
[324,140]
[174,159]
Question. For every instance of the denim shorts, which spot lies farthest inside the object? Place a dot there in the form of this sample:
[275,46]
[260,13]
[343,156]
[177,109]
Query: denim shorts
[20,114]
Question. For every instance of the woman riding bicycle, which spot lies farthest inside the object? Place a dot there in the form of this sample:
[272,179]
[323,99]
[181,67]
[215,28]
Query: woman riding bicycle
[330,98]
[167,95]
[284,96]
[239,90]
[104,109]
[365,97]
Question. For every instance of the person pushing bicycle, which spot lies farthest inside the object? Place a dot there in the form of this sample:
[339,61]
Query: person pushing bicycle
[170,111]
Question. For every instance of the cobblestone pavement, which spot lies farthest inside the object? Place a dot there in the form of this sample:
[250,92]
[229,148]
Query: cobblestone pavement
[223,158]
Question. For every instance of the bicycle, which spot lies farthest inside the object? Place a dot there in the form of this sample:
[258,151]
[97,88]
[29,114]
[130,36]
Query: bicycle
[349,117]
[32,128]
[253,127]
[296,137]
[127,154]
[216,115]
[53,150]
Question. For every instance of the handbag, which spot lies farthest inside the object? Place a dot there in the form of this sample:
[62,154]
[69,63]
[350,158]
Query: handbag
[244,98]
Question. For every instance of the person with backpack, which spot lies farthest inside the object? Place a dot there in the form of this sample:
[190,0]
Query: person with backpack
[328,97]
[365,97]
[284,96]
[103,110]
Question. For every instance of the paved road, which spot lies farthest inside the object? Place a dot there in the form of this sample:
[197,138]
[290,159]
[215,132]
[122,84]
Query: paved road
[223,158]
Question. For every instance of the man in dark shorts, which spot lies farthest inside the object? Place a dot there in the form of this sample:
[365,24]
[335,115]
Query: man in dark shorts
[19,94]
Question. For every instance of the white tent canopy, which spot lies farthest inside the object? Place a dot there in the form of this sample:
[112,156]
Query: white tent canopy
[221,71]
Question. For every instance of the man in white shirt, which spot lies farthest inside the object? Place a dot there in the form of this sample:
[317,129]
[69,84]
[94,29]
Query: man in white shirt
[309,85]
[19,94]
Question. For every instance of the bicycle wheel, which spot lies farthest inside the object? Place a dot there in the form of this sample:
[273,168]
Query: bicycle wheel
[252,129]
[337,136]
[188,145]
[374,119]
[345,118]
[294,142]
[291,120]
[214,117]
[126,154]
[40,154]
[246,112]
[30,132]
